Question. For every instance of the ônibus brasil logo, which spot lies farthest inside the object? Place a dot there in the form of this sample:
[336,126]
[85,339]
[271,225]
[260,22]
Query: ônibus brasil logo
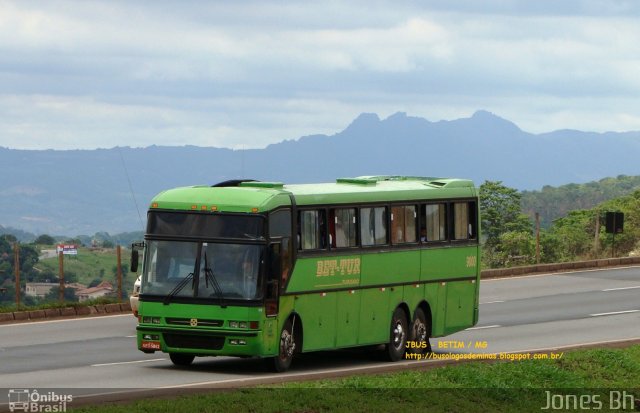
[25,400]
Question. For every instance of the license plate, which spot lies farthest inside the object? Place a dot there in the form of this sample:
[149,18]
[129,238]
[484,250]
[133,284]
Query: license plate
[150,345]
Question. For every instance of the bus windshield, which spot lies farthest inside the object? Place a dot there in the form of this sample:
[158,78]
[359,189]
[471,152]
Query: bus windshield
[203,270]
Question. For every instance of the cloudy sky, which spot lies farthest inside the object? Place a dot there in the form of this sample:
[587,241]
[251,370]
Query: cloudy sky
[90,74]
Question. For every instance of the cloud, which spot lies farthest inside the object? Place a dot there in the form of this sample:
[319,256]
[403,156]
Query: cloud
[246,74]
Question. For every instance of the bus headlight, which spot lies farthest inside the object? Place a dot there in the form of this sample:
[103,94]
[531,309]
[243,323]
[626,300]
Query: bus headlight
[253,325]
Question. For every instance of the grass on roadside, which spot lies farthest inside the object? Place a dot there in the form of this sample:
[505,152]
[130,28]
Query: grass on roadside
[518,386]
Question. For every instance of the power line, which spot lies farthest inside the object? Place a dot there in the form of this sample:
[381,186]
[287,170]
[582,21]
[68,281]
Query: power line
[126,172]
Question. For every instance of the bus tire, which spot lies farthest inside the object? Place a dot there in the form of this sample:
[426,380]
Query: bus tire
[398,335]
[180,359]
[419,333]
[286,349]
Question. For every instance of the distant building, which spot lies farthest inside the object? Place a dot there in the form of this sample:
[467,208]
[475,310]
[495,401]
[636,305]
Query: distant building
[100,290]
[75,286]
[39,290]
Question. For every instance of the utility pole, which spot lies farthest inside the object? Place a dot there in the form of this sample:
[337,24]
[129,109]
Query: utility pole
[16,268]
[537,238]
[61,272]
[119,272]
[596,240]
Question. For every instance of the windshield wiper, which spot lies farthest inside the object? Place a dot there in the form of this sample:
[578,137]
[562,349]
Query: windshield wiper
[211,278]
[179,288]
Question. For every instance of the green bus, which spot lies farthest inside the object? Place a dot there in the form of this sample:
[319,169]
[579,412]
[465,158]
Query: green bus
[247,268]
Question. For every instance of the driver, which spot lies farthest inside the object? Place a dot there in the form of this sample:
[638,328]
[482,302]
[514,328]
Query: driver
[250,278]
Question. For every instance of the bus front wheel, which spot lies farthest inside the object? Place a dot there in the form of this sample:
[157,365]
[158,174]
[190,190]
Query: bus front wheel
[181,359]
[398,335]
[287,347]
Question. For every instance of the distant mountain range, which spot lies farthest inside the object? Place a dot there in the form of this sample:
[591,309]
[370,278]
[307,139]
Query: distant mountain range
[85,191]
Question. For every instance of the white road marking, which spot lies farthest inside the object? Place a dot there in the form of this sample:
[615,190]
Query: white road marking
[483,327]
[127,362]
[622,288]
[614,313]
[493,302]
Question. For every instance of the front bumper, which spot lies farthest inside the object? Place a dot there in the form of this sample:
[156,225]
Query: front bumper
[200,342]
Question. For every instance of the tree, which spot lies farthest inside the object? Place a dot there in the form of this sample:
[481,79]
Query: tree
[9,295]
[70,277]
[44,276]
[501,214]
[74,241]
[45,239]
[95,282]
[501,211]
[576,233]
[9,238]
[28,258]
[124,268]
[54,294]
[516,248]
[627,241]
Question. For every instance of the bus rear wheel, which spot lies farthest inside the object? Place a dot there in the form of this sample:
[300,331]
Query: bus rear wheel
[398,335]
[286,349]
[181,359]
[419,334]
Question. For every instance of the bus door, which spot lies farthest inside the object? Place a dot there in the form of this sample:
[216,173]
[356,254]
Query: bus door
[277,273]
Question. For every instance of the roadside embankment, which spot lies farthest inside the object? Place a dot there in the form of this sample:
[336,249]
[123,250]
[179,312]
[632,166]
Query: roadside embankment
[70,312]
[560,267]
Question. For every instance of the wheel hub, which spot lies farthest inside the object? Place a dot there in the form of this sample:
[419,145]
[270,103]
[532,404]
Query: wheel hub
[287,344]
[398,335]
[420,330]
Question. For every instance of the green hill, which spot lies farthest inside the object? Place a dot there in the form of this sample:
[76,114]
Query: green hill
[91,266]
[555,202]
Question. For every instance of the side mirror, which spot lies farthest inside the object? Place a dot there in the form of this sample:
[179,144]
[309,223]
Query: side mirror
[134,260]
[135,255]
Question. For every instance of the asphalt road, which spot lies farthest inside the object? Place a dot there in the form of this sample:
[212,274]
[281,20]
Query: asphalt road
[94,355]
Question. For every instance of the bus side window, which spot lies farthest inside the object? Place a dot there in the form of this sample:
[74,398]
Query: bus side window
[435,223]
[473,220]
[312,230]
[373,226]
[343,227]
[465,220]
[280,223]
[403,224]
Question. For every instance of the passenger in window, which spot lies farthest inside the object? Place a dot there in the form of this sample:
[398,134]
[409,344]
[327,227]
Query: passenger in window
[341,238]
[399,235]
